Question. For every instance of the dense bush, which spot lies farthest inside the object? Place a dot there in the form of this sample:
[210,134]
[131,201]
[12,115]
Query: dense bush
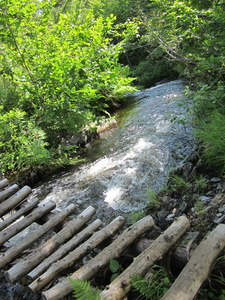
[59,68]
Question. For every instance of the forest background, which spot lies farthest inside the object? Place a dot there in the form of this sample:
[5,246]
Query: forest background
[67,64]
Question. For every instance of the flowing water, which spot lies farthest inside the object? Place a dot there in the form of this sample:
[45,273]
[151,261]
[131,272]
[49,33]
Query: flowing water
[151,139]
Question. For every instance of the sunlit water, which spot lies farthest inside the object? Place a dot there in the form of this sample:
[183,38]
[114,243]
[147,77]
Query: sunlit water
[134,159]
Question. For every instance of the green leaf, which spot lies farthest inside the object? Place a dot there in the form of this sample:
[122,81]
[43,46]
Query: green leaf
[114,265]
[114,276]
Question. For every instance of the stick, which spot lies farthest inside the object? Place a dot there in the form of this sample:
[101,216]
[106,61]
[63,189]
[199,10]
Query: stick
[62,251]
[29,240]
[39,254]
[15,228]
[77,254]
[11,202]
[140,266]
[102,259]
[198,267]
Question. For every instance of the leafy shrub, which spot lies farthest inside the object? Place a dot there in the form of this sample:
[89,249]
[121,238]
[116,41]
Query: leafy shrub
[22,144]
[150,72]
[212,134]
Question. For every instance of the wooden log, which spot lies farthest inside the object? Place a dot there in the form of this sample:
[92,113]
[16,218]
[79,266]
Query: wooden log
[15,228]
[62,251]
[140,266]
[198,267]
[13,252]
[11,202]
[39,254]
[96,264]
[8,192]
[3,183]
[19,213]
[182,253]
[77,254]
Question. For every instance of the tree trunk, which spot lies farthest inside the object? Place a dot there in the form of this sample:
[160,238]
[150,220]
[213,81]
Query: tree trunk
[140,266]
[75,255]
[39,254]
[197,269]
[29,240]
[10,203]
[96,264]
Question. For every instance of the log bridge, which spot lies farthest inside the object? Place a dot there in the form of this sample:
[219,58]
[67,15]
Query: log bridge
[38,259]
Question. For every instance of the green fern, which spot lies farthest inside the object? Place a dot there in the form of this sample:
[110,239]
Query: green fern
[141,285]
[82,290]
[154,288]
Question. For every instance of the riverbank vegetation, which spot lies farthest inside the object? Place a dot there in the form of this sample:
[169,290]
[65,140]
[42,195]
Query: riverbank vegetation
[67,64]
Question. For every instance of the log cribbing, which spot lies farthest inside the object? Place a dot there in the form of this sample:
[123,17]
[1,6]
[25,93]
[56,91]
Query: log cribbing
[11,202]
[141,264]
[96,264]
[3,183]
[8,192]
[19,213]
[39,254]
[77,254]
[198,267]
[15,228]
[14,251]
[62,251]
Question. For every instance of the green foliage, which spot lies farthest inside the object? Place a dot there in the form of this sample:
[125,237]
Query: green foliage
[114,267]
[212,133]
[22,144]
[150,71]
[136,215]
[154,288]
[200,183]
[8,95]
[60,66]
[153,201]
[82,290]
[178,185]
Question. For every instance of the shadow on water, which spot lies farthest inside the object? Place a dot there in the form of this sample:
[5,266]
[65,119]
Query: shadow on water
[135,158]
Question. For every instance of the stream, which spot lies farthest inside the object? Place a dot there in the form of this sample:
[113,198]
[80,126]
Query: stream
[154,135]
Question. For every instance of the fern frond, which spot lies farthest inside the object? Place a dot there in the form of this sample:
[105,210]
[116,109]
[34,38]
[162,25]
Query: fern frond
[154,288]
[142,286]
[82,290]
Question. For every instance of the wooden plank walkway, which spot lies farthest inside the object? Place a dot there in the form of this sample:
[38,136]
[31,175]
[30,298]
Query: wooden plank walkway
[38,259]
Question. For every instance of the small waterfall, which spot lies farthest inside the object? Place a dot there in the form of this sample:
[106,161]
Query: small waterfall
[154,135]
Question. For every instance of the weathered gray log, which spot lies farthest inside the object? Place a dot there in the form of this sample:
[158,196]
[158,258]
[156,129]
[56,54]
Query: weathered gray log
[11,202]
[198,267]
[19,213]
[15,228]
[8,192]
[77,254]
[140,266]
[39,254]
[62,251]
[102,259]
[29,240]
[3,183]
